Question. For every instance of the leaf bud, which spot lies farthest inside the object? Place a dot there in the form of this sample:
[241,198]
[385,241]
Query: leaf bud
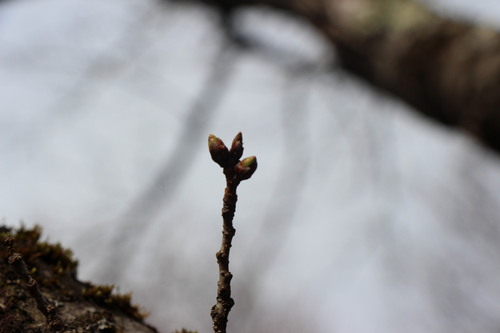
[218,150]
[246,168]
[237,146]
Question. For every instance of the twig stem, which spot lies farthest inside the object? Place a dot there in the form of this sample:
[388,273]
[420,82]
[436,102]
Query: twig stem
[16,261]
[221,309]
[235,171]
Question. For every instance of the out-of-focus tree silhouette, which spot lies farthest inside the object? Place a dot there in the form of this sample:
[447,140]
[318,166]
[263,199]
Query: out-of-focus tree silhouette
[447,69]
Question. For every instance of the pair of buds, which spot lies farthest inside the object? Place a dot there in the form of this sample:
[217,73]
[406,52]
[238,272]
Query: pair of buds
[230,158]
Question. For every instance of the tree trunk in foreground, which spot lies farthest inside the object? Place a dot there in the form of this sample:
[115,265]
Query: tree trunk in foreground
[82,307]
[446,69]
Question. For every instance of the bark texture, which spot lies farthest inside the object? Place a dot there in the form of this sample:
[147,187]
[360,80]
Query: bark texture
[448,70]
[82,307]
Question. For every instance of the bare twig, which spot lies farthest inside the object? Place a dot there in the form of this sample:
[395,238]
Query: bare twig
[16,261]
[235,171]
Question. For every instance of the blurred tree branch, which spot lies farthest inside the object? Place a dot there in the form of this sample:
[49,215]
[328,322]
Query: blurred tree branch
[446,69]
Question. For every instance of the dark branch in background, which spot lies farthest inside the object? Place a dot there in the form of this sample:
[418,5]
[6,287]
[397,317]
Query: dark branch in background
[165,183]
[235,171]
[447,69]
[16,261]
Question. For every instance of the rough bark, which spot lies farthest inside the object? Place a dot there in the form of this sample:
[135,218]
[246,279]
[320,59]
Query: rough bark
[446,69]
[82,307]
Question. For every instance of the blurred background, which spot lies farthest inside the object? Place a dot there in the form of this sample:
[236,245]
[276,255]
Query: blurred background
[363,217]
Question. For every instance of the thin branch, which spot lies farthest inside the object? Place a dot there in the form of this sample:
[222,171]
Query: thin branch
[48,310]
[235,171]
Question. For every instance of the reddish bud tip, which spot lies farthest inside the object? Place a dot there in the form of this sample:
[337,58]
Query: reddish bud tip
[218,150]
[246,167]
[237,146]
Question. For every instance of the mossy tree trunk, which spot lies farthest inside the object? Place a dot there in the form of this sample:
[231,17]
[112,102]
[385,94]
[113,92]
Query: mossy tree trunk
[82,307]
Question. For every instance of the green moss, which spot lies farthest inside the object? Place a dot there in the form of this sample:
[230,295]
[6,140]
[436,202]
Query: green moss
[27,242]
[60,259]
[38,254]
[104,295]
